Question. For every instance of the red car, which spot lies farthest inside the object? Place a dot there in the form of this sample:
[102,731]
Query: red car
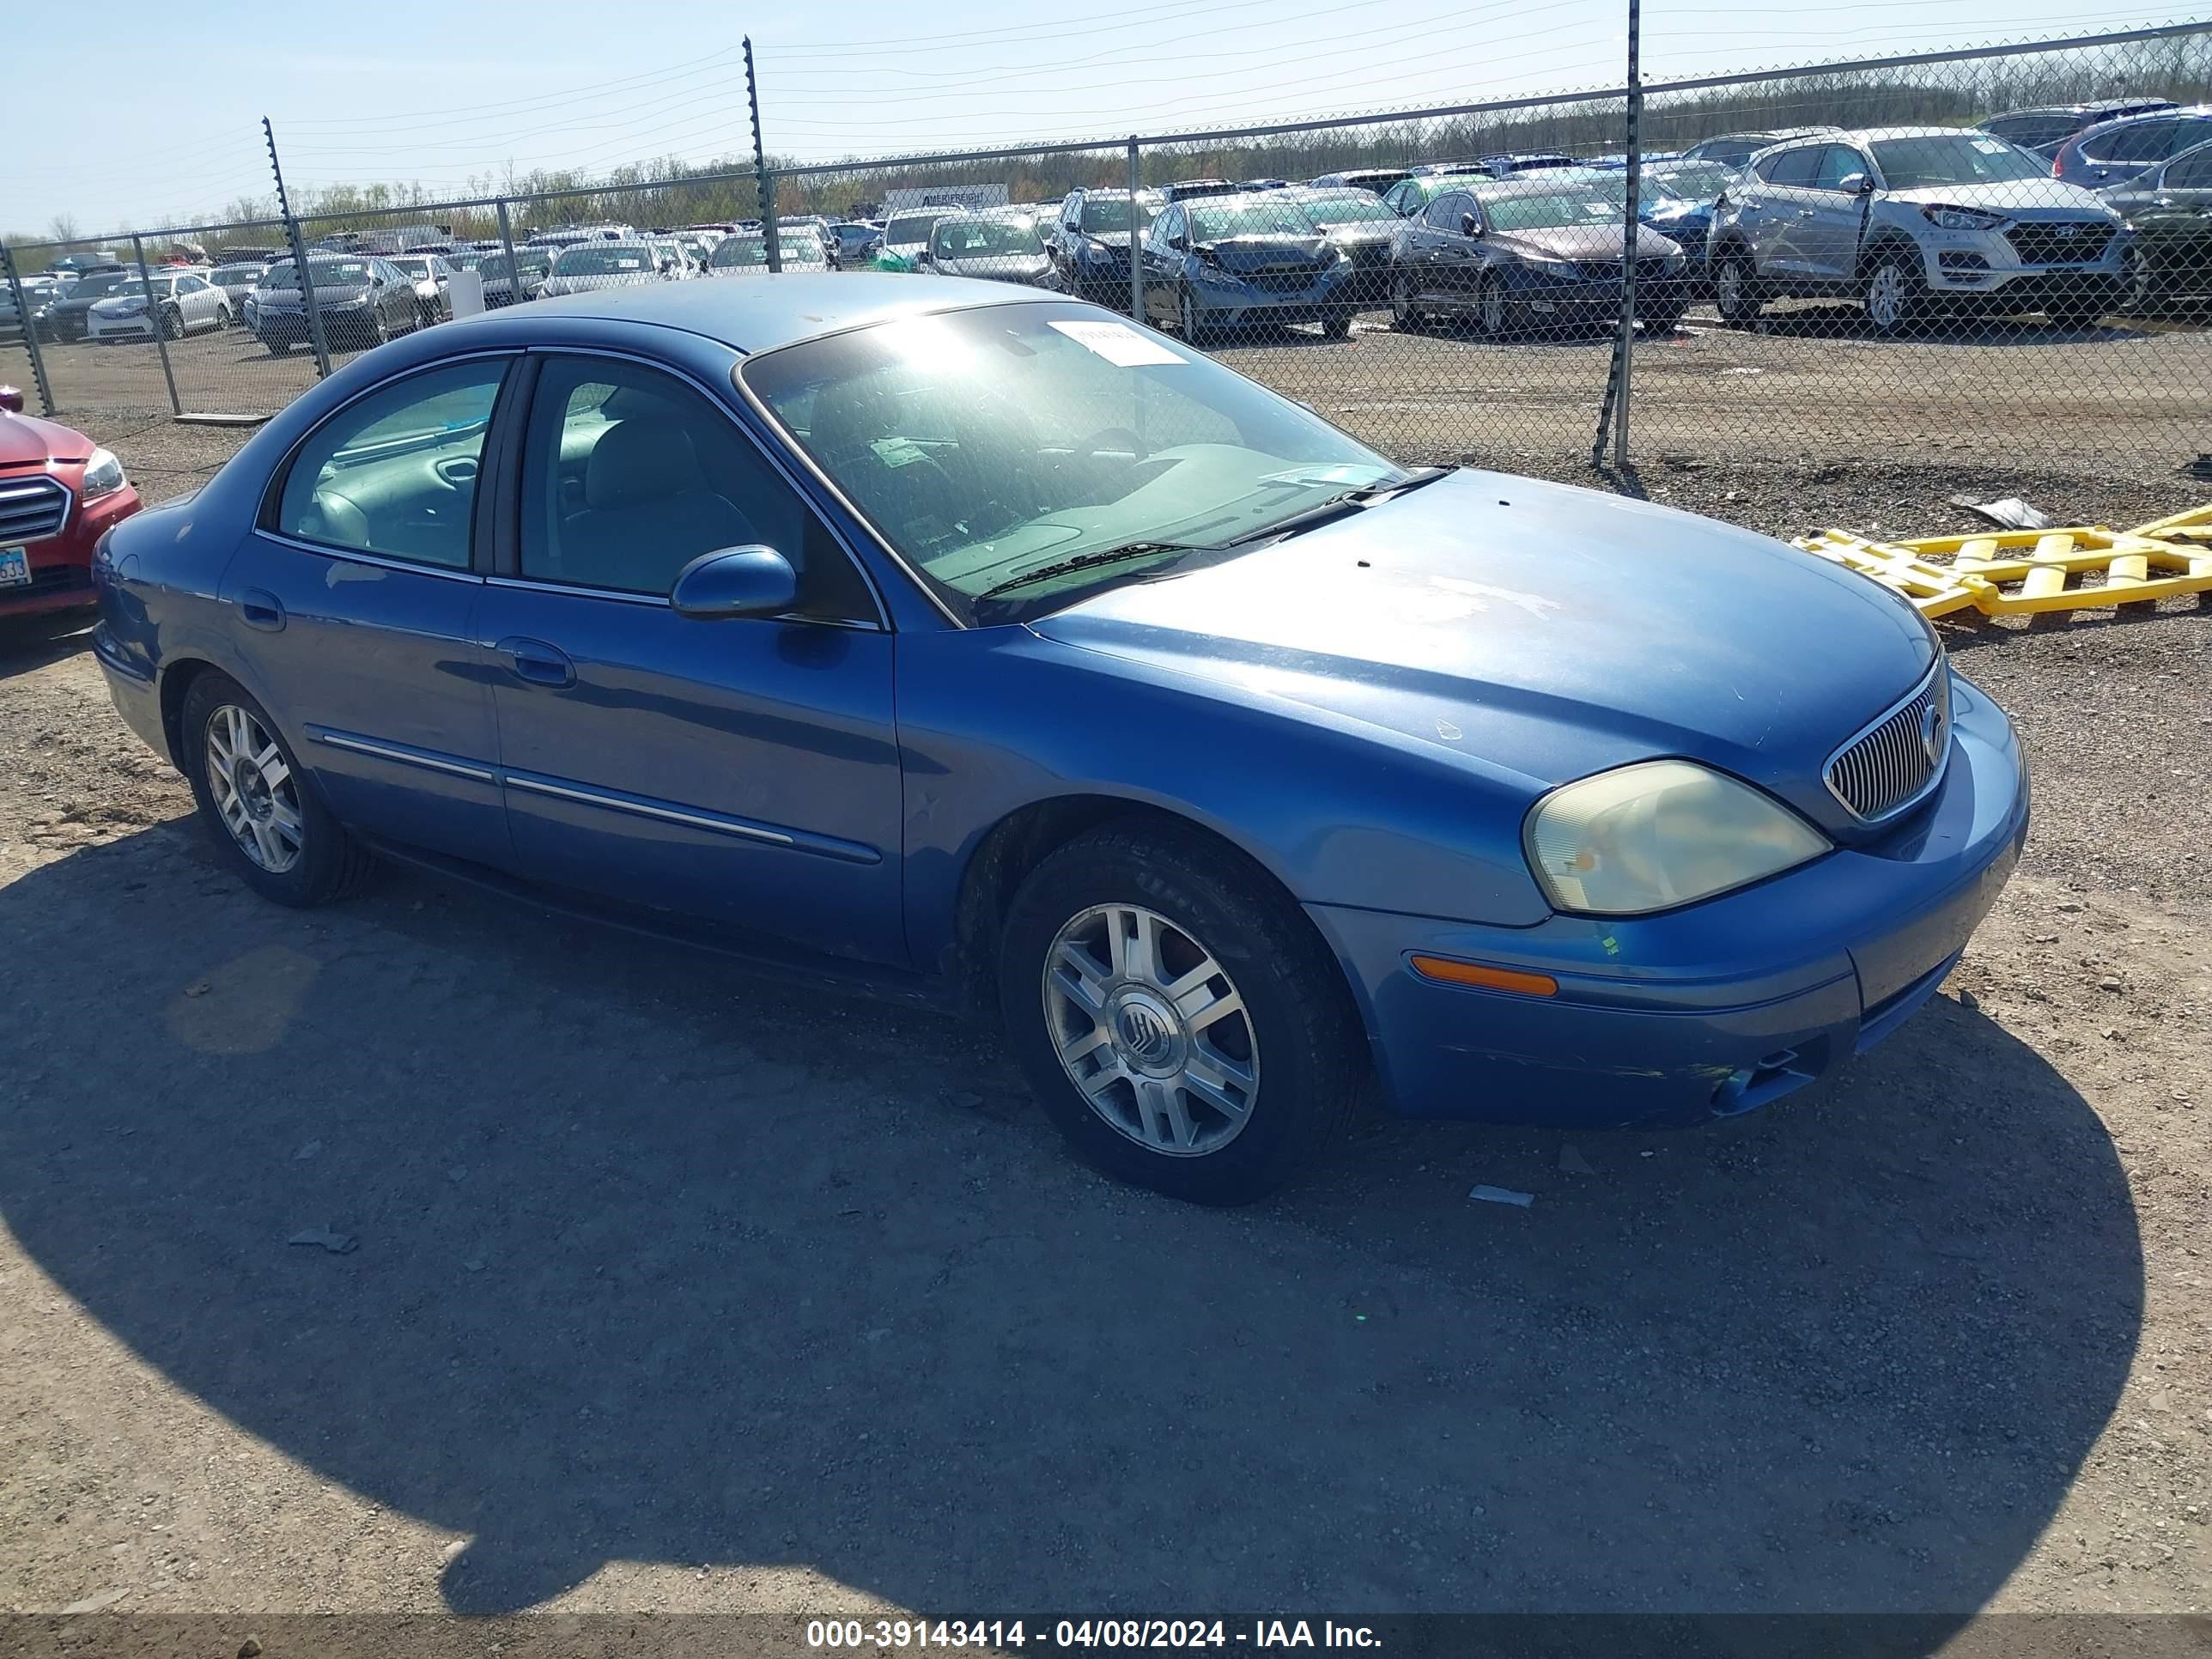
[58,492]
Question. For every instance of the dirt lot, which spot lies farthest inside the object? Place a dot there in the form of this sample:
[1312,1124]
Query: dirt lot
[673,1290]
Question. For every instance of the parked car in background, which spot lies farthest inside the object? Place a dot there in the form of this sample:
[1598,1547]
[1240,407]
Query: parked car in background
[1092,247]
[1413,193]
[2101,157]
[1906,219]
[84,264]
[811,231]
[1541,252]
[999,245]
[1243,263]
[560,236]
[2041,131]
[1263,184]
[237,280]
[524,281]
[585,267]
[363,301]
[1677,199]
[1235,771]
[40,294]
[59,494]
[1546,160]
[857,244]
[250,255]
[431,274]
[1432,169]
[905,235]
[1361,229]
[2168,213]
[1189,189]
[1377,179]
[746,253]
[1733,149]
[70,316]
[174,302]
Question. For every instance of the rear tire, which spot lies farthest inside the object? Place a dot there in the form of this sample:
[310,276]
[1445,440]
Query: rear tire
[1493,312]
[302,856]
[1405,316]
[1211,1086]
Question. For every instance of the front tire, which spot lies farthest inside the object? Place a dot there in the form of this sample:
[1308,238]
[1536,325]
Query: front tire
[1405,316]
[1896,293]
[1735,289]
[262,810]
[173,324]
[1493,312]
[1179,1019]
[1191,320]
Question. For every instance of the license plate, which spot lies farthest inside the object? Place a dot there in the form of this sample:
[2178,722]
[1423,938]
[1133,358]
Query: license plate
[14,567]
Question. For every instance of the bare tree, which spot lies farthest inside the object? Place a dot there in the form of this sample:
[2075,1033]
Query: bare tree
[62,228]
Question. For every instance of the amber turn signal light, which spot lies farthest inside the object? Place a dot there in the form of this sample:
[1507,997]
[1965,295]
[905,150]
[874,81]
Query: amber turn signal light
[1490,979]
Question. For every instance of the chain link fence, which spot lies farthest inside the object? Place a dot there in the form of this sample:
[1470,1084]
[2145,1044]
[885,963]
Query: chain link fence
[1931,258]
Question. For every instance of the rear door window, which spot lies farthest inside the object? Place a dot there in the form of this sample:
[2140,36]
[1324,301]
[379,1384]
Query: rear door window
[1792,168]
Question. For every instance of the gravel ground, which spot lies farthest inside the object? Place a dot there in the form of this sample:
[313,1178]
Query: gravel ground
[666,1289]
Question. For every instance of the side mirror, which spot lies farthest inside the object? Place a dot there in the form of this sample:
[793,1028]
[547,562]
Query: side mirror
[736,581]
[1469,225]
[11,399]
[1856,184]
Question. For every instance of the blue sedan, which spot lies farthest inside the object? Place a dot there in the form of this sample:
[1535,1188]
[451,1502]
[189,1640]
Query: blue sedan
[980,648]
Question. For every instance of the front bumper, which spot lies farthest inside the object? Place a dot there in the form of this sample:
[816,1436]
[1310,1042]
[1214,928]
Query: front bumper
[1971,261]
[1658,293]
[1226,301]
[137,327]
[1708,1011]
[61,566]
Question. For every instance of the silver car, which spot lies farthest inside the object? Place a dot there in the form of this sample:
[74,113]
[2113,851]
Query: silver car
[1908,220]
[587,266]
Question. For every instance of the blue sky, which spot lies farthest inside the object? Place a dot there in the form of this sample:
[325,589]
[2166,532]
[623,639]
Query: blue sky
[450,94]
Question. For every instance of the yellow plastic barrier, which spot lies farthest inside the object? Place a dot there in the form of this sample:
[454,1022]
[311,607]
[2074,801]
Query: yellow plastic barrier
[1934,591]
[2022,572]
[2032,571]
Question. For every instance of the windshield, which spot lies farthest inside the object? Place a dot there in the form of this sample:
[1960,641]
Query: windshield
[983,238]
[1689,181]
[1210,222]
[751,253]
[1965,159]
[107,282]
[990,443]
[132,285]
[415,267]
[1596,201]
[328,273]
[1108,214]
[532,264]
[910,229]
[1354,207]
[603,259]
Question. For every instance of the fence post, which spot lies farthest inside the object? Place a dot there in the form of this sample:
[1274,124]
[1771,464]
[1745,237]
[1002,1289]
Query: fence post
[299,259]
[507,241]
[154,320]
[1630,236]
[30,331]
[1136,252]
[769,239]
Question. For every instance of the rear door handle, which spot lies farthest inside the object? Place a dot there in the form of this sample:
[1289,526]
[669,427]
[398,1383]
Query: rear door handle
[538,662]
[261,610]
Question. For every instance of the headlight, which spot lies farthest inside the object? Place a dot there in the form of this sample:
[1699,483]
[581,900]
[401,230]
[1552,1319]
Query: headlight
[103,476]
[1675,261]
[1657,834]
[1960,218]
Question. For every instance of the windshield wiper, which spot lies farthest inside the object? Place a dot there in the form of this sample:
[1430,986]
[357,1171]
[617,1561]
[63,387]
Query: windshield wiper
[1337,506]
[1101,556]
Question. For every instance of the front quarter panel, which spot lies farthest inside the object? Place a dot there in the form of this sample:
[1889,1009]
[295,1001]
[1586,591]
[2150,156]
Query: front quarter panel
[995,719]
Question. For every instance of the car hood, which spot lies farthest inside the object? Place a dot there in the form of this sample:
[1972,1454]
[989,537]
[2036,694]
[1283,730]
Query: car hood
[1105,238]
[2033,199]
[1245,255]
[1581,242]
[74,304]
[1549,630]
[26,440]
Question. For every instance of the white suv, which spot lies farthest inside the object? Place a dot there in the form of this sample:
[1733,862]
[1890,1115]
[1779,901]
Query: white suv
[1905,218]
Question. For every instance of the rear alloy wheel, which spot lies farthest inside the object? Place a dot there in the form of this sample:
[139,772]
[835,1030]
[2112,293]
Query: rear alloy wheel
[172,323]
[1403,316]
[1896,293]
[255,801]
[1180,1021]
[1735,289]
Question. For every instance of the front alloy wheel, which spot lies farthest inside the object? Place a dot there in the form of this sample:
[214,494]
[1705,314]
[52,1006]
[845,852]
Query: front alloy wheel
[255,794]
[1495,314]
[1193,328]
[1892,294]
[2142,280]
[1732,290]
[1151,1030]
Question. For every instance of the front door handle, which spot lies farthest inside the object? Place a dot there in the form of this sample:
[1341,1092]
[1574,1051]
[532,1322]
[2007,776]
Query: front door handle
[538,662]
[261,610]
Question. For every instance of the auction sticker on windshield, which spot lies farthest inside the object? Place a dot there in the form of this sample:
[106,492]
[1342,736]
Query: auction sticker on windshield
[14,567]
[1118,343]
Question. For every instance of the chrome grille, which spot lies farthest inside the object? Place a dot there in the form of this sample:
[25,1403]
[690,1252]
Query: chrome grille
[31,510]
[1897,760]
